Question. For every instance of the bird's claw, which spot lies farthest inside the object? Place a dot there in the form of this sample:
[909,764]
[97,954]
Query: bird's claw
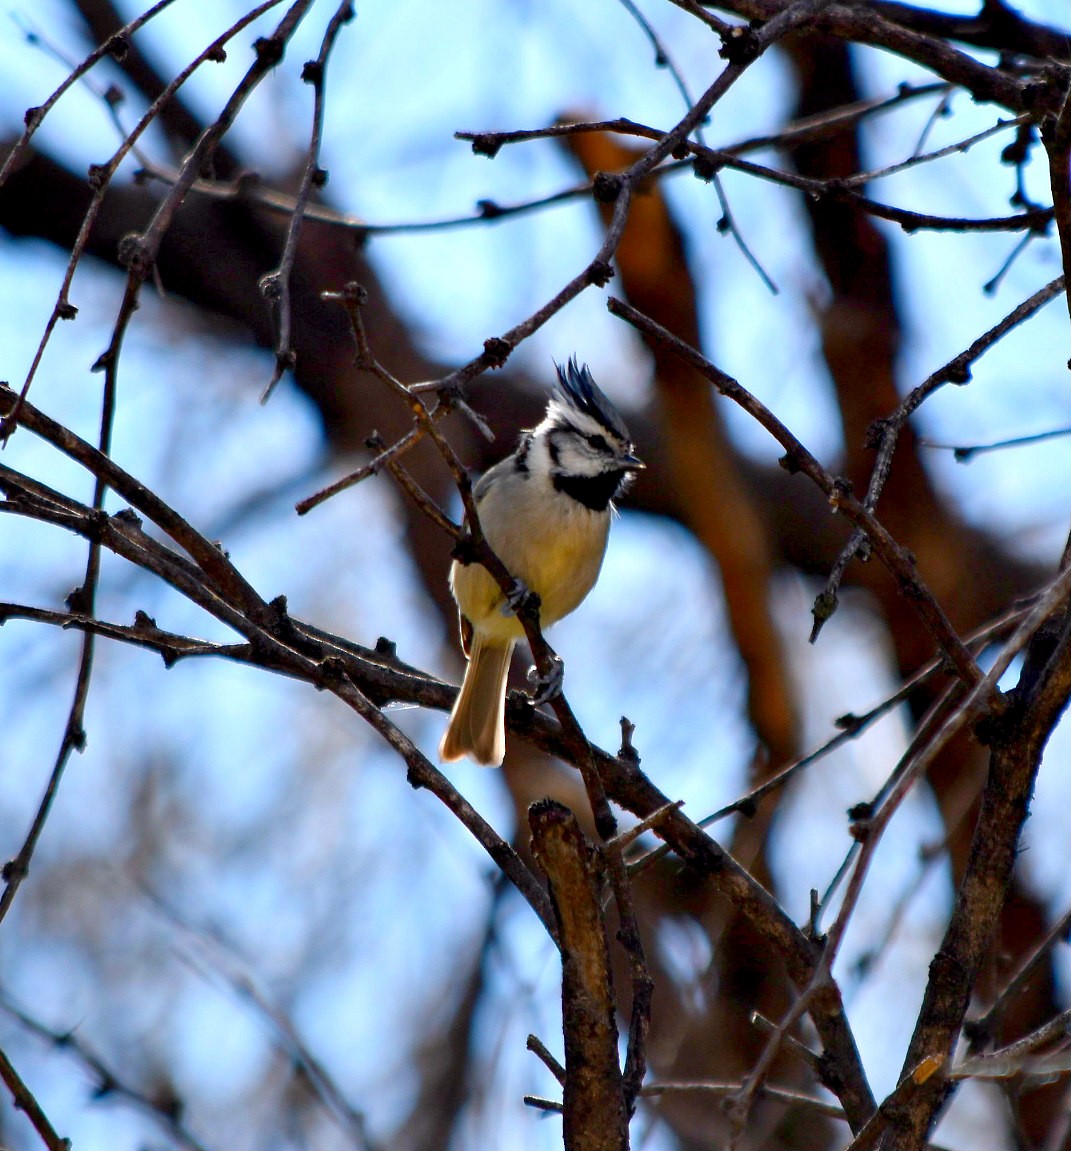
[520,597]
[547,687]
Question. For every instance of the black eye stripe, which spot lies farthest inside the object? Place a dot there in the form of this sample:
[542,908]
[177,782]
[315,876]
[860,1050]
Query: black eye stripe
[599,443]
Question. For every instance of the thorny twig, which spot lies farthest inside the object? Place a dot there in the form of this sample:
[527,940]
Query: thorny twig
[100,177]
[116,46]
[165,1111]
[275,285]
[84,600]
[797,458]
[885,433]
[25,1101]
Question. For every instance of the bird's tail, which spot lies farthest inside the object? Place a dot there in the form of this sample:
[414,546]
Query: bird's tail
[477,726]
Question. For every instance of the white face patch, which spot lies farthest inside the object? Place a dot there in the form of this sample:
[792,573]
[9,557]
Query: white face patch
[577,444]
[573,455]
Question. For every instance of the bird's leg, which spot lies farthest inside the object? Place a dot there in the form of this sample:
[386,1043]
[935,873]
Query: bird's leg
[524,602]
[549,686]
[519,599]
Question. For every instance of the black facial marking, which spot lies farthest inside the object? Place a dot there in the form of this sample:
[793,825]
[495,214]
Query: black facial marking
[520,460]
[594,492]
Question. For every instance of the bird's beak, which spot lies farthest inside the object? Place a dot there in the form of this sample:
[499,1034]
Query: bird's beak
[631,463]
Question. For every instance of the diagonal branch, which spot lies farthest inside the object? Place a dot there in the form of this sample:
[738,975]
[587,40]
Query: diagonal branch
[797,458]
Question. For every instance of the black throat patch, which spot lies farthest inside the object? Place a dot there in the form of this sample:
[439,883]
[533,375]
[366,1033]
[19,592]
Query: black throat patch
[594,492]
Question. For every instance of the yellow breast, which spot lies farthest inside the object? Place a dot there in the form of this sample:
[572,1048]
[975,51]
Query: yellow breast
[554,546]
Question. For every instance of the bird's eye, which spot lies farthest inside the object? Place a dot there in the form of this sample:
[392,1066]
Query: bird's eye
[599,443]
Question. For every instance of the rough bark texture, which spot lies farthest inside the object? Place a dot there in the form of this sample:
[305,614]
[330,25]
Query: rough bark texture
[595,1116]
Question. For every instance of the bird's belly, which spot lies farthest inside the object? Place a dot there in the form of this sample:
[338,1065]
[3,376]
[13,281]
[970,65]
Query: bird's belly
[559,560]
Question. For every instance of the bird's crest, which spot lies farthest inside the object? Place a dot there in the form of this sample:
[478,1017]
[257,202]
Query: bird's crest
[578,390]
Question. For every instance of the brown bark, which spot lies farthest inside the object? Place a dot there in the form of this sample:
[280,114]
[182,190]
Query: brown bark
[595,1116]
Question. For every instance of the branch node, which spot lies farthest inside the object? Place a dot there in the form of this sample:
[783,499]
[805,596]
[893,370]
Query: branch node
[135,254]
[75,735]
[496,351]
[117,47]
[78,601]
[486,144]
[128,516]
[823,608]
[539,1049]
[269,50]
[606,186]
[958,371]
[627,752]
[740,45]
[705,168]
[270,286]
[791,462]
[849,722]
[876,432]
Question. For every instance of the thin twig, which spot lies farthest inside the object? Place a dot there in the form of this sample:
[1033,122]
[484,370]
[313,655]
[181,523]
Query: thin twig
[979,1031]
[1056,136]
[384,458]
[167,1113]
[963,453]
[721,27]
[115,46]
[628,936]
[84,600]
[539,1049]
[802,1052]
[886,433]
[26,1102]
[100,176]
[896,559]
[730,1090]
[275,285]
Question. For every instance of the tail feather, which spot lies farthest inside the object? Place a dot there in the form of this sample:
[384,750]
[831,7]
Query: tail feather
[477,726]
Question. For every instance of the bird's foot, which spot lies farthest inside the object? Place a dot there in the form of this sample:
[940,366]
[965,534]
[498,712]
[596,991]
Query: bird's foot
[520,598]
[547,687]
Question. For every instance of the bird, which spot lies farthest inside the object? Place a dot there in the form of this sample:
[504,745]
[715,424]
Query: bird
[545,512]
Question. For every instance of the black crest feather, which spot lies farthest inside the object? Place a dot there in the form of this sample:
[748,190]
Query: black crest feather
[579,390]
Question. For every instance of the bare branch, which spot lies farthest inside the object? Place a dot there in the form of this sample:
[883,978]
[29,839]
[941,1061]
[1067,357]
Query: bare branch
[25,1101]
